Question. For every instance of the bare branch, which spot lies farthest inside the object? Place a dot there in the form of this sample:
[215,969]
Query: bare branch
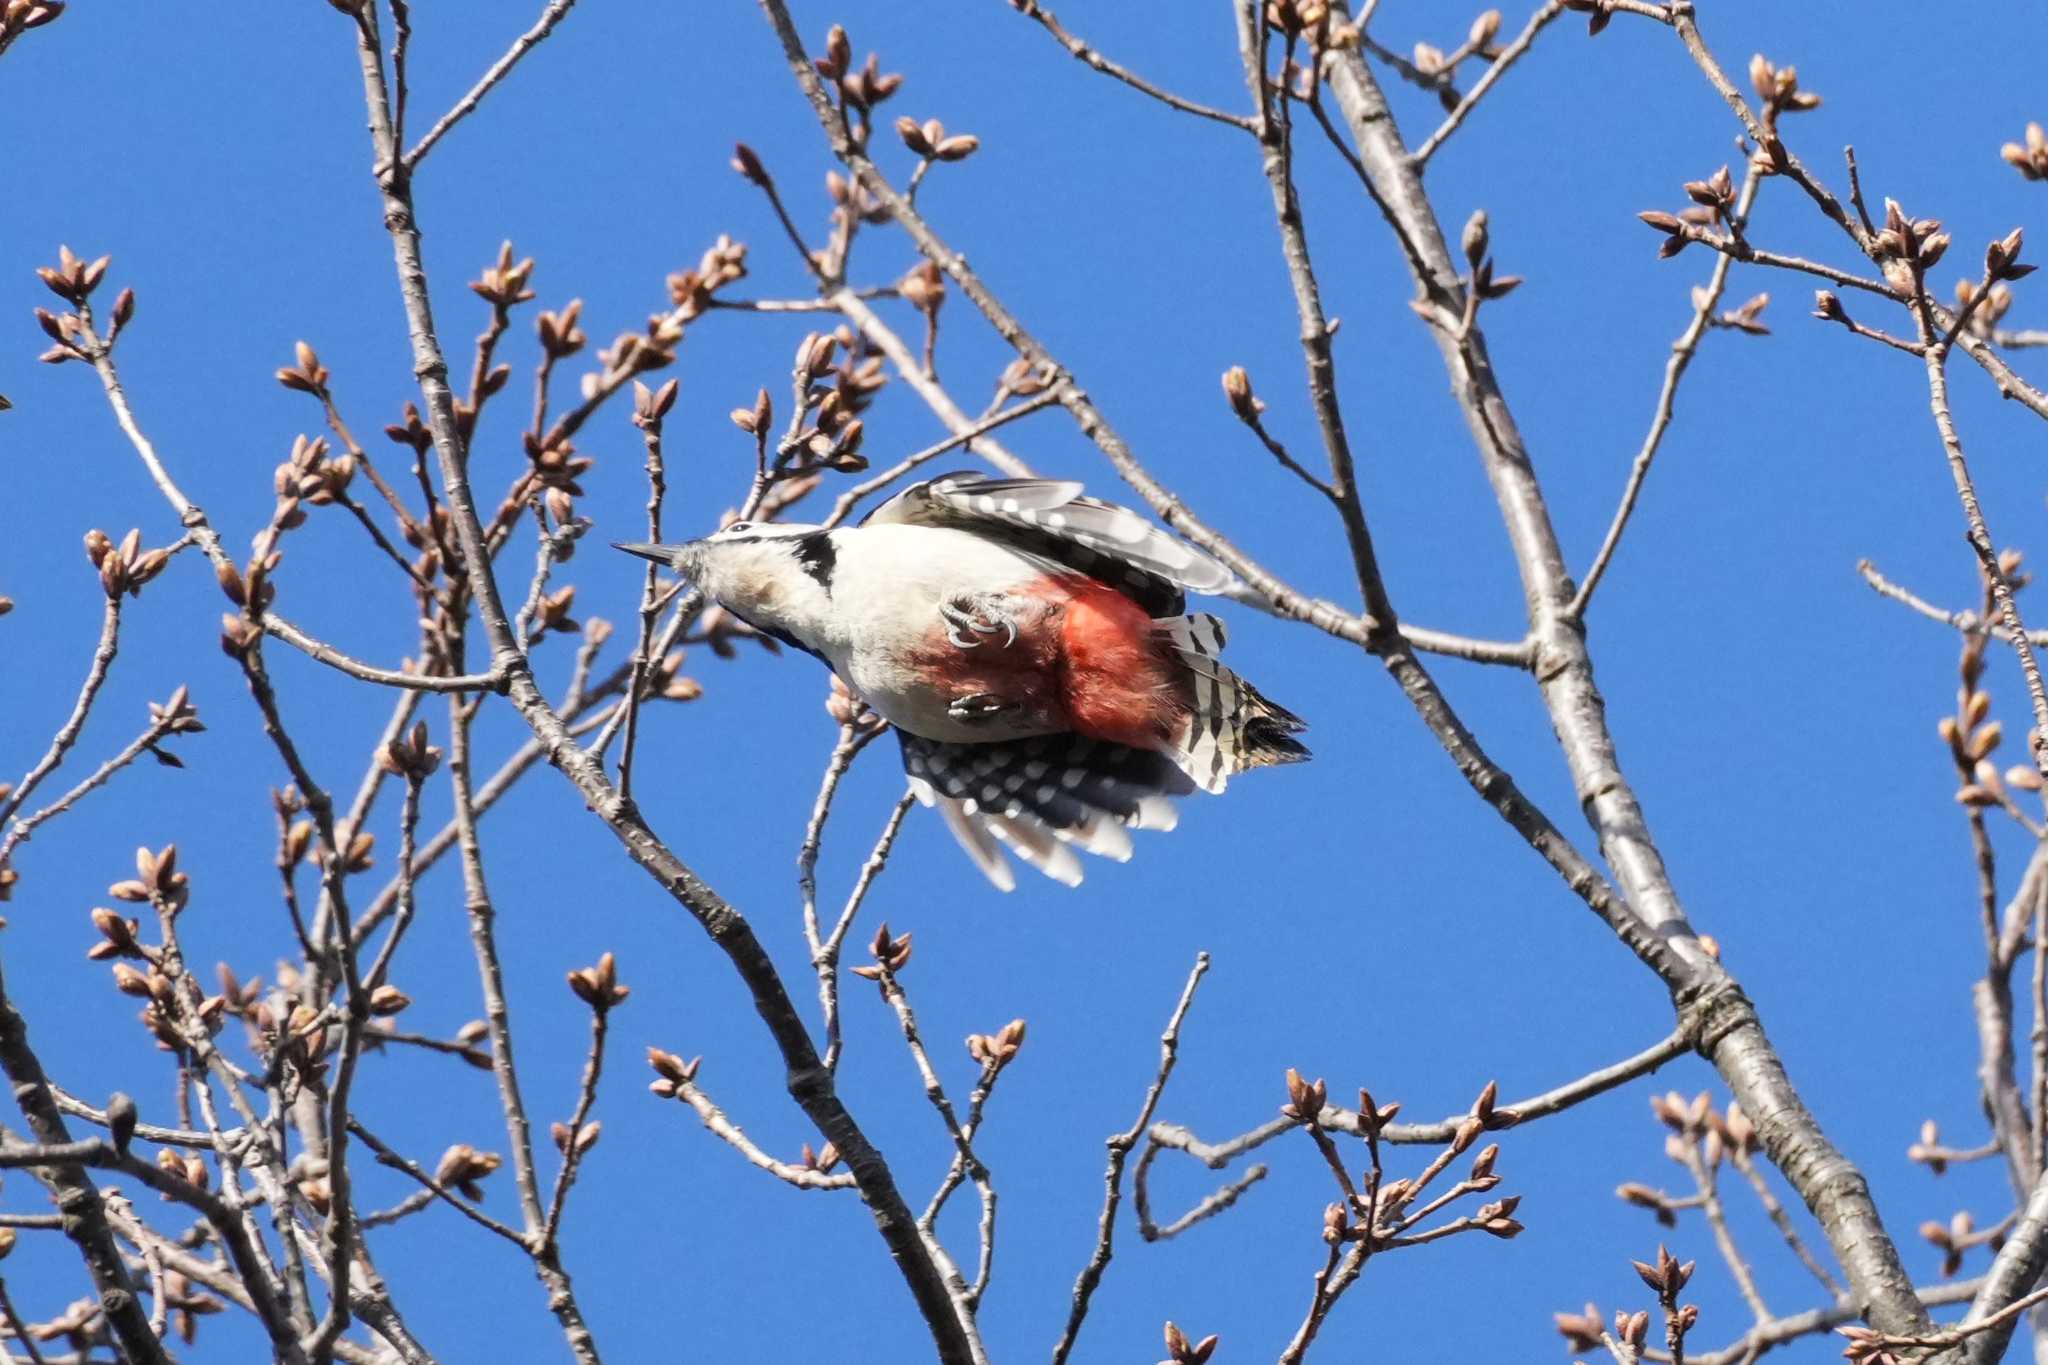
[501,68]
[1090,57]
[1120,1145]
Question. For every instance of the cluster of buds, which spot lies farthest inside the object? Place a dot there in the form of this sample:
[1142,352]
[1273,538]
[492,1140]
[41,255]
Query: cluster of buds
[157,881]
[821,1160]
[1778,88]
[117,936]
[73,279]
[1970,734]
[1583,1331]
[561,336]
[78,1325]
[634,353]
[187,1305]
[190,1168]
[2029,158]
[672,1074]
[411,432]
[1476,243]
[124,567]
[1676,228]
[1181,1351]
[176,715]
[665,680]
[1748,317]
[556,465]
[1958,1235]
[932,142]
[1305,1099]
[1716,194]
[504,284]
[1438,69]
[307,375]
[575,1141]
[692,291]
[310,476]
[997,1050]
[1667,1278]
[1918,243]
[598,986]
[1308,21]
[551,613]
[410,756]
[650,406]
[2002,259]
[1024,379]
[851,199]
[68,330]
[162,1005]
[924,289]
[1868,1347]
[238,998]
[861,88]
[462,1167]
[1698,1131]
[1497,1219]
[355,848]
[831,437]
[1984,313]
[891,955]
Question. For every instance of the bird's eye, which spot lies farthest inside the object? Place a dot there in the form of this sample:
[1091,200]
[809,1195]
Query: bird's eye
[739,526]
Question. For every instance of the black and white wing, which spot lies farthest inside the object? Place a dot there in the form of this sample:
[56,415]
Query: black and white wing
[1043,797]
[1052,519]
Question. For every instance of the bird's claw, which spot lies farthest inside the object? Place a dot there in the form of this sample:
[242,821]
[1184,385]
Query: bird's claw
[979,706]
[973,614]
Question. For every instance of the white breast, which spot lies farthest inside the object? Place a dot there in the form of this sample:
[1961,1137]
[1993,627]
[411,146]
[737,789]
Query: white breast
[887,587]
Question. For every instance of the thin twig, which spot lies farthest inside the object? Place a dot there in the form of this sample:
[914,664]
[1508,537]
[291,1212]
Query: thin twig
[1089,56]
[852,497]
[501,68]
[1705,301]
[1120,1145]
[1507,57]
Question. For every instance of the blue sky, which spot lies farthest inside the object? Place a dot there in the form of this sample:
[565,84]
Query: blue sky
[1370,922]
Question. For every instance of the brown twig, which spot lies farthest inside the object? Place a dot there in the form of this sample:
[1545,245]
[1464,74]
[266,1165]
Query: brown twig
[1120,1145]
[1705,301]
[808,1081]
[501,68]
[1506,58]
[1090,57]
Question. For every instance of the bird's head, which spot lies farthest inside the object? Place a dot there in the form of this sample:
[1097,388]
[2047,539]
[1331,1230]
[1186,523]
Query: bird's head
[775,576]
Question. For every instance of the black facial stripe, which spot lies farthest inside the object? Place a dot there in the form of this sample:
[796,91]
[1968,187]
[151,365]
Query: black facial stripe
[818,556]
[777,633]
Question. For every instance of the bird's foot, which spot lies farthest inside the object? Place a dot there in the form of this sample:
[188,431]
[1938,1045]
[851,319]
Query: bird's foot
[980,707]
[978,614]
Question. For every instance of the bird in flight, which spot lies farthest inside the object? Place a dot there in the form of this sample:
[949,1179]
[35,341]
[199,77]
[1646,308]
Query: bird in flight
[1031,648]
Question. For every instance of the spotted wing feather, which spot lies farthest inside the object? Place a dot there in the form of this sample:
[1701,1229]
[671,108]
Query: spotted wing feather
[1052,519]
[1043,797]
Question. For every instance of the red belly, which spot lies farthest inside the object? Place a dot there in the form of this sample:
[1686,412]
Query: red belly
[1117,684]
[1085,660]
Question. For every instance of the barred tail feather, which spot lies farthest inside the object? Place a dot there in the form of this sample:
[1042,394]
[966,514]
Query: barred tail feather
[1231,725]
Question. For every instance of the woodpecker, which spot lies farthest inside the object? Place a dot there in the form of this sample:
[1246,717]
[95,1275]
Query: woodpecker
[1029,645]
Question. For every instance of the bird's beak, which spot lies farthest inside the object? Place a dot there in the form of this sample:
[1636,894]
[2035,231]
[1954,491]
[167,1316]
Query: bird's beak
[658,553]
